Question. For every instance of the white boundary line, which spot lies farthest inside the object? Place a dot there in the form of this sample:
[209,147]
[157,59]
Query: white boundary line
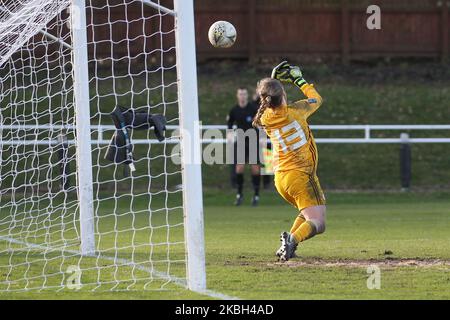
[157,274]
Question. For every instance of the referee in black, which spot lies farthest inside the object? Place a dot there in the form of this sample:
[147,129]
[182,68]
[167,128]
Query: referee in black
[247,140]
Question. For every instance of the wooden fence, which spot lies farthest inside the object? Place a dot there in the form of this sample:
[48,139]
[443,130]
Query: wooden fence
[310,29]
[327,29]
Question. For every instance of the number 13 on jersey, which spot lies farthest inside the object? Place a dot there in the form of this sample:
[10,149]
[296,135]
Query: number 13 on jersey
[289,133]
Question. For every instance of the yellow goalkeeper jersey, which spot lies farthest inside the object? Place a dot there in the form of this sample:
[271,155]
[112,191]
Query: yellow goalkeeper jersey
[292,140]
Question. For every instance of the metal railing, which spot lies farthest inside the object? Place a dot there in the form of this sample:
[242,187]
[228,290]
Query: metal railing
[98,132]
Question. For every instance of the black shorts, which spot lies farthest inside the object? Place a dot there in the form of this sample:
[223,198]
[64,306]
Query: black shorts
[246,152]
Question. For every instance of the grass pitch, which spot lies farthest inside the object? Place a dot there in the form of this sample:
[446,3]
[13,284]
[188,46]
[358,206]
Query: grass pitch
[406,235]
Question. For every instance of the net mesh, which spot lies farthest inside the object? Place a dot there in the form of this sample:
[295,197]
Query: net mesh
[138,216]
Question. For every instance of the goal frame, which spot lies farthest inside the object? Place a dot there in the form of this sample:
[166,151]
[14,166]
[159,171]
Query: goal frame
[190,141]
[83,124]
[190,144]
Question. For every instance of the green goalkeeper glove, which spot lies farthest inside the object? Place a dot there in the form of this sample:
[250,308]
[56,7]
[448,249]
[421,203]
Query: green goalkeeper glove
[284,72]
[280,71]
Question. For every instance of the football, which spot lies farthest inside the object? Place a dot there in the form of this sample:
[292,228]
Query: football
[222,34]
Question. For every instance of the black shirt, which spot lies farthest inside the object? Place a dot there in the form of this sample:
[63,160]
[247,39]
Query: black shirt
[242,117]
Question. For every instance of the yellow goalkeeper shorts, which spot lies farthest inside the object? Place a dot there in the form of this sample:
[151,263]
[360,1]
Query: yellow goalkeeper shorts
[299,188]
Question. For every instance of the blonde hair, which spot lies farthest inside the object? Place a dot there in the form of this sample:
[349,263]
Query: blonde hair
[271,94]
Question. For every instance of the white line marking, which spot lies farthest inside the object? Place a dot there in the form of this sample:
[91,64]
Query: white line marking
[158,274]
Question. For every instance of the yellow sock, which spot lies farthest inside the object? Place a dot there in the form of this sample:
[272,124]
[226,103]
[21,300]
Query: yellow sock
[305,231]
[297,223]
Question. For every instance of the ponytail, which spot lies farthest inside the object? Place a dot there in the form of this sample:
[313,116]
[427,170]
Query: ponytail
[265,103]
[271,94]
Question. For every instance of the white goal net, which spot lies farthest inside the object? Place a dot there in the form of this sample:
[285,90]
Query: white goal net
[89,195]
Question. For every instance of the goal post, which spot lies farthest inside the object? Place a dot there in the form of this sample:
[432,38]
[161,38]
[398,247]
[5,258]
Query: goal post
[190,144]
[83,126]
[85,88]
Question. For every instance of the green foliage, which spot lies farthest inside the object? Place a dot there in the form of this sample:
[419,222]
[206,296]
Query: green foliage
[358,95]
[402,94]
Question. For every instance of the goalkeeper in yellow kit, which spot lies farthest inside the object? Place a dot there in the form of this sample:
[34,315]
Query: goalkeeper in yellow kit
[295,153]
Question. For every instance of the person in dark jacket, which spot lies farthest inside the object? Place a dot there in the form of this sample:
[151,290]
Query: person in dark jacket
[246,143]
